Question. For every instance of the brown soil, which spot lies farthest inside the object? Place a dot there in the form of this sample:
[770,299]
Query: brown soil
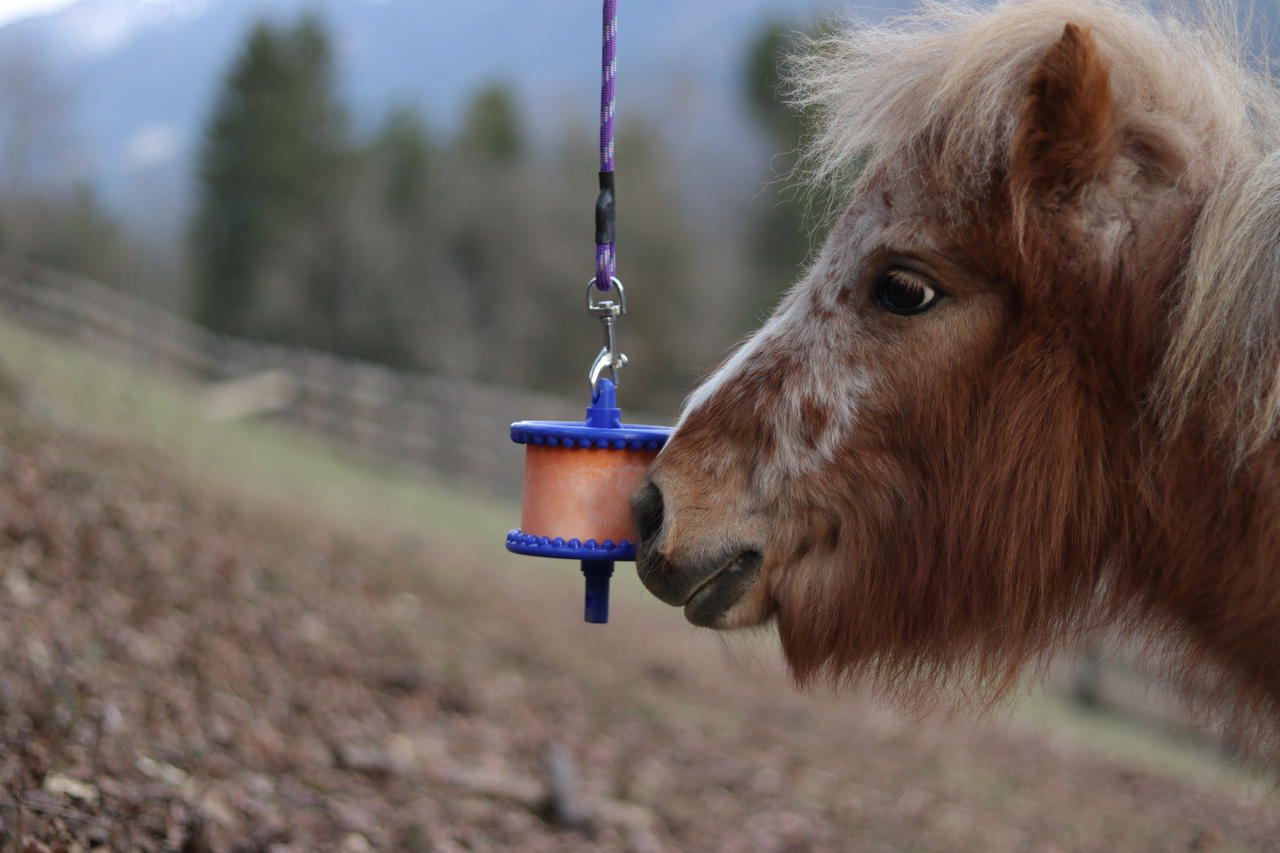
[188,668]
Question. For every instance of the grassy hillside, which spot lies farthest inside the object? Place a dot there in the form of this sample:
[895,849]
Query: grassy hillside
[232,637]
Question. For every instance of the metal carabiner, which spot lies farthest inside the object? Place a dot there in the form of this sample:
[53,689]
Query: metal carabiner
[601,304]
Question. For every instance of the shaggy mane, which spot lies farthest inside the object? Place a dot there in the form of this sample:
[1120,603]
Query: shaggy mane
[952,76]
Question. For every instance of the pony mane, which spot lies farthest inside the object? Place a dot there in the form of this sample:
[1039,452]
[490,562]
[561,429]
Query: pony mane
[946,83]
[1225,347]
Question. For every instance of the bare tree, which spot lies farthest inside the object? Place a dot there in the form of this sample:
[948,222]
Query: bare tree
[37,145]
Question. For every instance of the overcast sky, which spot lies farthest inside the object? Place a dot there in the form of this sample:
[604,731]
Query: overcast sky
[11,9]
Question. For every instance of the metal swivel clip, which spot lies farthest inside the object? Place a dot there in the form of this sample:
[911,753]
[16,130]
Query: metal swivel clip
[608,305]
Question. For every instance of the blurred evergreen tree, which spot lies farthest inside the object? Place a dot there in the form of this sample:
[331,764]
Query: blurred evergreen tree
[392,309]
[440,257]
[489,245]
[492,128]
[791,221]
[766,81]
[273,151]
[402,147]
[659,260]
[81,236]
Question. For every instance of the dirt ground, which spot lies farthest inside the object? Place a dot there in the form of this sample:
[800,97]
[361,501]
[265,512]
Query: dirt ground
[189,667]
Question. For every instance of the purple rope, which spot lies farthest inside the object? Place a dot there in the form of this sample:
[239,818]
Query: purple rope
[606,256]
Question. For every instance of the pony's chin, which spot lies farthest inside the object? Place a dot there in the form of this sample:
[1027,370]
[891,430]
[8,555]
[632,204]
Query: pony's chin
[727,601]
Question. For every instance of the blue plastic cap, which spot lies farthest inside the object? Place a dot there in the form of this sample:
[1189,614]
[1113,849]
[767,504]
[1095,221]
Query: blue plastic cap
[603,413]
[532,545]
[577,434]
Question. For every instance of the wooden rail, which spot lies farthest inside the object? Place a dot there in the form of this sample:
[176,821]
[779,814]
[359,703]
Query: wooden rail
[423,423]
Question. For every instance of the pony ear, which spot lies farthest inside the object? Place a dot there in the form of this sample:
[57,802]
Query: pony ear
[1066,135]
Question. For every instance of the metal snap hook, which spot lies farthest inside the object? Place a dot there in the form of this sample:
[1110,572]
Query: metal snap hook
[608,305]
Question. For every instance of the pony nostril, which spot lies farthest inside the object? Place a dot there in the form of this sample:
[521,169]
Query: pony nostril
[646,511]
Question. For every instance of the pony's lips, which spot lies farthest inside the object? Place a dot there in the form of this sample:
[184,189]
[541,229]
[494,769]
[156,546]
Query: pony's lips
[712,598]
[705,587]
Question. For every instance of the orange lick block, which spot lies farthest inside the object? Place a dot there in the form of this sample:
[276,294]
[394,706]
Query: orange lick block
[582,493]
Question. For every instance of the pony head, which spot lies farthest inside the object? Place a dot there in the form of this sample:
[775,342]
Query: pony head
[1043,324]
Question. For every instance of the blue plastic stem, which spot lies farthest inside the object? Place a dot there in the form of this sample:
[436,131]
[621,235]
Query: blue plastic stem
[603,413]
[597,573]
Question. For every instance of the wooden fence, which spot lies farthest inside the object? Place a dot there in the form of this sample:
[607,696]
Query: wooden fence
[430,424]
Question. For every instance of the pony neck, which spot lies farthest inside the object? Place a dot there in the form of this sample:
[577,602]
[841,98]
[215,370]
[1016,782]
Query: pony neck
[1209,570]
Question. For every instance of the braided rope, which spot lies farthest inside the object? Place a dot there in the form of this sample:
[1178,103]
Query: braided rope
[606,256]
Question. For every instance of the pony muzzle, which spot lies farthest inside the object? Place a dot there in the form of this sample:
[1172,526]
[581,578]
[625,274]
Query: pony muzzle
[707,584]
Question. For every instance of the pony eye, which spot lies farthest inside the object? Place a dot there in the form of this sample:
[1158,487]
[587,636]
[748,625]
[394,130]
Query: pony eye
[905,292]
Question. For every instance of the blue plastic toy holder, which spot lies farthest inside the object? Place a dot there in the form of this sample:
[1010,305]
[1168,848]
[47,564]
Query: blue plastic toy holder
[579,477]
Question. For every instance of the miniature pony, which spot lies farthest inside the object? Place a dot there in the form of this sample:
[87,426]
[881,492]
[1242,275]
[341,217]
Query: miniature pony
[1029,389]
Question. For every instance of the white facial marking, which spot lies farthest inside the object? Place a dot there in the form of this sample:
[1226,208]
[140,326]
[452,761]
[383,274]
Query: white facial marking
[814,330]
[825,382]
[730,369]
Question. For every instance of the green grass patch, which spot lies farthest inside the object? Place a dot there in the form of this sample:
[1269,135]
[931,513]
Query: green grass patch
[111,396]
[1118,735]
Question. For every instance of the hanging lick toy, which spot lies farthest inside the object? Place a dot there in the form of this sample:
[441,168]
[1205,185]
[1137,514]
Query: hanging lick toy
[579,476]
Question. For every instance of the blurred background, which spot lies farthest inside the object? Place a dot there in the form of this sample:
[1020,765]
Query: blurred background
[275,275]
[409,183]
